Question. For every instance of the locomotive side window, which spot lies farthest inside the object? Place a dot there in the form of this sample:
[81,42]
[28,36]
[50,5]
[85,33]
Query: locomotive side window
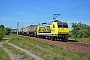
[65,26]
[48,27]
[62,26]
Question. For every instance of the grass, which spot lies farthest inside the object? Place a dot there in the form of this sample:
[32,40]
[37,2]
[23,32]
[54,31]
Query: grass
[84,39]
[17,52]
[3,55]
[47,52]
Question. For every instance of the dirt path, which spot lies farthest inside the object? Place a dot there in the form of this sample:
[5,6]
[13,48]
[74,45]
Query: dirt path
[27,52]
[1,44]
[17,57]
[11,55]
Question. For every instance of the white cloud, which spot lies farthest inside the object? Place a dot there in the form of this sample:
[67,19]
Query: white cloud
[5,18]
[20,13]
[2,18]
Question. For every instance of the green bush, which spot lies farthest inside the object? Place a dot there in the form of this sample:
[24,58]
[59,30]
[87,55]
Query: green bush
[2,31]
[80,30]
[7,31]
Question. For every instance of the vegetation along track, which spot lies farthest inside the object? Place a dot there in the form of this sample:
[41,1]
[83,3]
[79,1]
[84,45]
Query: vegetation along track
[75,46]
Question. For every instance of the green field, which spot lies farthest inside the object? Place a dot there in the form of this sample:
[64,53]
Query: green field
[3,55]
[47,52]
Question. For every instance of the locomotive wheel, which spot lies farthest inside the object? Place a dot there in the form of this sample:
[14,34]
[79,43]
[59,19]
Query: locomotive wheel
[52,38]
[49,38]
[36,36]
[55,38]
[29,35]
[64,40]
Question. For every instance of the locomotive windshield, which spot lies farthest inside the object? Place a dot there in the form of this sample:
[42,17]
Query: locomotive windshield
[62,26]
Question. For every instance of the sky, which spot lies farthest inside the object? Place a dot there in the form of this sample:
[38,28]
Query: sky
[29,12]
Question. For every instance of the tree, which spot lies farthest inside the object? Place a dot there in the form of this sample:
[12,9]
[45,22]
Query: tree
[80,30]
[7,31]
[2,26]
[74,31]
[2,31]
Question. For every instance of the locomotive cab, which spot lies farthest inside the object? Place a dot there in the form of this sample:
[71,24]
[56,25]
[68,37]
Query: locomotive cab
[63,28]
[60,30]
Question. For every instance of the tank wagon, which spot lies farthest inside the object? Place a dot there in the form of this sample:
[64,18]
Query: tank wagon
[30,30]
[20,31]
[56,30]
[25,31]
[14,31]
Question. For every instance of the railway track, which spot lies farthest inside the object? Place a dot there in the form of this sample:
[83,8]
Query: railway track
[72,45]
[87,45]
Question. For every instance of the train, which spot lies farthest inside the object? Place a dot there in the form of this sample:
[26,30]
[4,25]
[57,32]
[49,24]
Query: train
[56,30]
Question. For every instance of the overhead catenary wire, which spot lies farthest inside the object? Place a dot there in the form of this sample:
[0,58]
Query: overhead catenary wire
[51,13]
[72,10]
[75,8]
[76,15]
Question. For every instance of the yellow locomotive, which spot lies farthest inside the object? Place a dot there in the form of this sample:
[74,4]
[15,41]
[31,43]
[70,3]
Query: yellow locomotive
[56,30]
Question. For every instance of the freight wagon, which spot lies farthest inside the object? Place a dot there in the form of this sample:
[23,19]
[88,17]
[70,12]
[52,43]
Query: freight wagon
[30,30]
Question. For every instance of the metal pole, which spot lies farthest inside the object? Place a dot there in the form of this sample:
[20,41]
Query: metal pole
[17,27]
